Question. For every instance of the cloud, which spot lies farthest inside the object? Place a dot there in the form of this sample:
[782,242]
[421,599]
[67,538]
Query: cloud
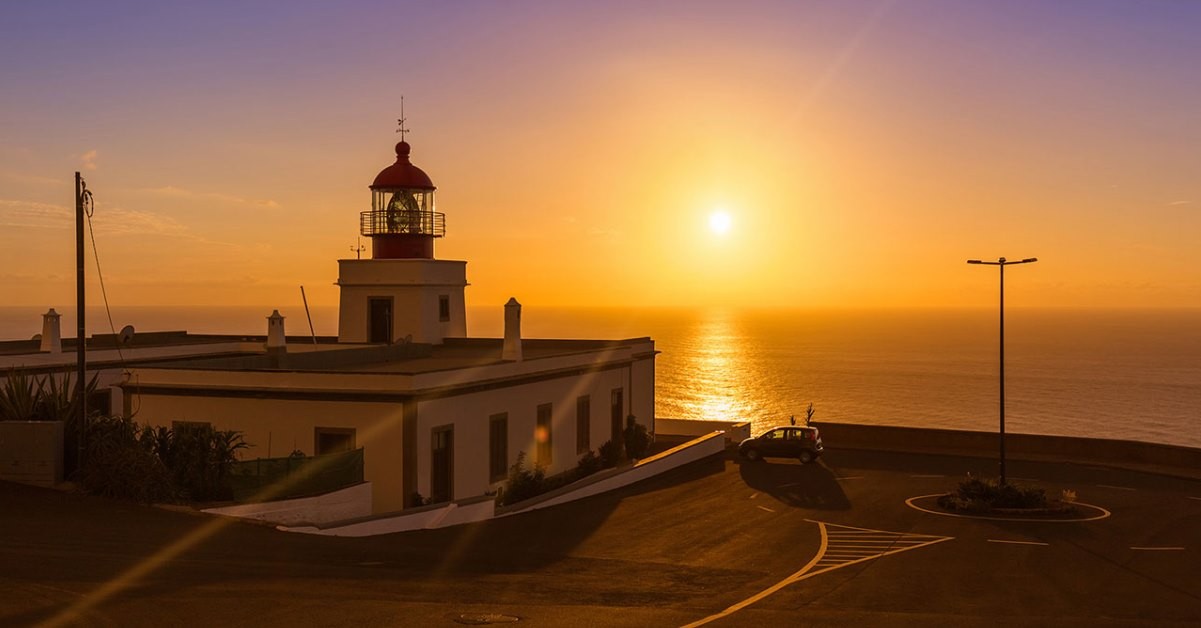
[1174,203]
[16,214]
[89,160]
[174,192]
[108,219]
[35,179]
[121,221]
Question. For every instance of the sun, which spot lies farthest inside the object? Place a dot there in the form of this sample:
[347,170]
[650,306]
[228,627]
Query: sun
[720,222]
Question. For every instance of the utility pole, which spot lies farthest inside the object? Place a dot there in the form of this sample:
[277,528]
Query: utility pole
[1002,263]
[82,196]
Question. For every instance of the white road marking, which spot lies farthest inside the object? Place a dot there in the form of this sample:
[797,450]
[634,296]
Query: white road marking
[1196,498]
[371,563]
[1016,542]
[765,508]
[1116,488]
[930,475]
[1025,479]
[899,542]
[849,477]
[754,495]
[911,503]
[1158,549]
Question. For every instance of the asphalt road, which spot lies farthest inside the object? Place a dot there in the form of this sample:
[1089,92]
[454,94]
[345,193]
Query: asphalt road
[730,544]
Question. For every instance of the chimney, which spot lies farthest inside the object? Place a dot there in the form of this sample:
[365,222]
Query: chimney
[52,339]
[512,348]
[275,333]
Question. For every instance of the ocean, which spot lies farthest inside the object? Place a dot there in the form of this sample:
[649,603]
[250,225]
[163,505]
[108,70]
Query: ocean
[1124,374]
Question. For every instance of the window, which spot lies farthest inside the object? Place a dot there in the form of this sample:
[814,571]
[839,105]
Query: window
[379,319]
[498,446]
[542,435]
[100,401]
[443,307]
[616,404]
[442,463]
[583,424]
[331,440]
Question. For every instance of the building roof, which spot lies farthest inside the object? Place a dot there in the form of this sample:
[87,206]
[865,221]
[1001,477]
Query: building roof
[386,371]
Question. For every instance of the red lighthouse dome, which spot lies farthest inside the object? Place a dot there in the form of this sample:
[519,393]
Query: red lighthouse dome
[402,223]
[402,174]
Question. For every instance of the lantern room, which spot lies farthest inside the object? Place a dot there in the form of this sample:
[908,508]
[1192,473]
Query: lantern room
[402,223]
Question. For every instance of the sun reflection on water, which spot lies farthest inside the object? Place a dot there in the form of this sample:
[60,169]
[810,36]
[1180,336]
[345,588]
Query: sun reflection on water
[718,369]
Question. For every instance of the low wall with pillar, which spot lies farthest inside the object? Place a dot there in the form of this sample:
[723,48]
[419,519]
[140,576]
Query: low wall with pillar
[31,452]
[687,429]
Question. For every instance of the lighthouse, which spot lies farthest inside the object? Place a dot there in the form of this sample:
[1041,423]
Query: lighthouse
[402,292]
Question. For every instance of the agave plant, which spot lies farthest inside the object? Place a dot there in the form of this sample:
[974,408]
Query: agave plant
[20,396]
[60,398]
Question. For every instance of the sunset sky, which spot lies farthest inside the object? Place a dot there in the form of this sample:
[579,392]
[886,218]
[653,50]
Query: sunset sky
[860,151]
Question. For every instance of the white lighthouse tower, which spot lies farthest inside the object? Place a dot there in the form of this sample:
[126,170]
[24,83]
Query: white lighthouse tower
[402,291]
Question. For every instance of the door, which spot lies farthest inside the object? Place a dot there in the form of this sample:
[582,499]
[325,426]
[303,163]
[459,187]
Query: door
[379,319]
[616,405]
[772,443]
[442,460]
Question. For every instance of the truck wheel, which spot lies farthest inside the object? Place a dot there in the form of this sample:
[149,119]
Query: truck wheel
[806,457]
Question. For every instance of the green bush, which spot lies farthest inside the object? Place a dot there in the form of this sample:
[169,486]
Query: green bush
[120,462]
[637,439]
[523,483]
[610,453]
[588,464]
[981,495]
[125,460]
[200,459]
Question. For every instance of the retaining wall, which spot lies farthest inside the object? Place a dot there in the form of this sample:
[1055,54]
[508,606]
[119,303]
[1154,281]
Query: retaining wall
[703,447]
[484,507]
[1119,453]
[736,431]
[346,503]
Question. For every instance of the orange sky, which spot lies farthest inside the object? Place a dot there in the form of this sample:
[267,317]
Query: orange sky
[863,151]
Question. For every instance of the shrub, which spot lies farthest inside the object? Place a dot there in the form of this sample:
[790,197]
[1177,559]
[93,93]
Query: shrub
[523,483]
[589,463]
[981,495]
[60,399]
[200,459]
[19,397]
[124,460]
[120,463]
[610,453]
[637,439]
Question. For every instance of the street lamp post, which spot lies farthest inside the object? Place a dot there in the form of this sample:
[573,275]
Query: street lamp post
[1001,263]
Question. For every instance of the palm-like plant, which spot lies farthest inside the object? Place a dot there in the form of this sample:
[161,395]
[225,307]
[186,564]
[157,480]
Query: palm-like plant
[60,398]
[20,396]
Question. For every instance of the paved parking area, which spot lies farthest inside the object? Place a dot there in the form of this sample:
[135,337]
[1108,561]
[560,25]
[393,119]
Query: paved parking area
[719,542]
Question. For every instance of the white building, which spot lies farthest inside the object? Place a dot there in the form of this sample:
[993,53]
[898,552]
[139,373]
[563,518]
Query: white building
[438,414]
